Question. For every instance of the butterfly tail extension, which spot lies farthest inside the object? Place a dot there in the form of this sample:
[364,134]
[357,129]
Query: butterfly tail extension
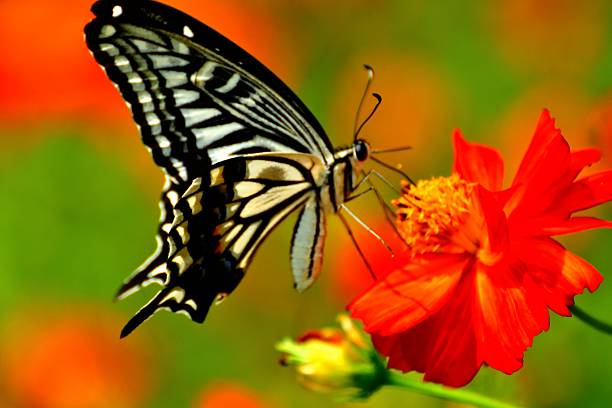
[152,271]
[193,292]
[164,298]
[173,299]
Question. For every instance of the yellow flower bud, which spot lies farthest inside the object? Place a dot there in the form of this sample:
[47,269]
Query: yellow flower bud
[333,360]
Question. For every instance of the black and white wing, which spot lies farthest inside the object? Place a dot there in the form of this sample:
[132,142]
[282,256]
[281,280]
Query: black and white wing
[239,150]
[219,222]
[196,97]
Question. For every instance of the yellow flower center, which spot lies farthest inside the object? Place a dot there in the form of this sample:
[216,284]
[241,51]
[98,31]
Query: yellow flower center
[439,213]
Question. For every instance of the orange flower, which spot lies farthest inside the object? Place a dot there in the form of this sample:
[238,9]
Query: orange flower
[485,268]
[72,360]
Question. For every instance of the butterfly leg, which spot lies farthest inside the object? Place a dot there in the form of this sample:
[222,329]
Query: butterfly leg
[389,212]
[387,209]
[354,240]
[367,228]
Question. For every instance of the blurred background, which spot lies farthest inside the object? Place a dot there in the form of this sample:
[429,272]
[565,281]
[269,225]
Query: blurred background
[78,206]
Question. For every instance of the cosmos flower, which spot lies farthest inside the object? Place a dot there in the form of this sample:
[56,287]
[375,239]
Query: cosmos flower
[484,267]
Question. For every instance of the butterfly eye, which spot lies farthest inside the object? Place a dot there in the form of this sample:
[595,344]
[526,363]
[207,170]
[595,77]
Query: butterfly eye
[361,150]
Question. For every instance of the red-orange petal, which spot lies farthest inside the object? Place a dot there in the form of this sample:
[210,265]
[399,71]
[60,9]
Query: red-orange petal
[409,295]
[496,240]
[587,192]
[559,273]
[545,134]
[512,314]
[579,159]
[478,163]
[574,224]
[543,167]
[444,346]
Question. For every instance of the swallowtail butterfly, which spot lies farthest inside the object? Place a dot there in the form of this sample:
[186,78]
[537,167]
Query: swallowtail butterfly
[238,148]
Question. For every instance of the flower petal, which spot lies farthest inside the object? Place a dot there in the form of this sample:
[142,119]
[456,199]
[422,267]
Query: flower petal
[478,163]
[512,314]
[587,192]
[544,166]
[544,138]
[574,224]
[444,346]
[407,296]
[559,273]
[582,158]
[496,238]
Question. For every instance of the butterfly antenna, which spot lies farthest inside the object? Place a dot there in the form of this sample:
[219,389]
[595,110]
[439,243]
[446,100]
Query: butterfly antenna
[378,102]
[391,150]
[395,169]
[362,100]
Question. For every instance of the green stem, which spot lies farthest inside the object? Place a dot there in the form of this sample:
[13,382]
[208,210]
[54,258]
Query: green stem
[590,320]
[439,391]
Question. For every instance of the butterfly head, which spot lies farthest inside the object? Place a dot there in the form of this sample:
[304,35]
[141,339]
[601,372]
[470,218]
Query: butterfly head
[361,150]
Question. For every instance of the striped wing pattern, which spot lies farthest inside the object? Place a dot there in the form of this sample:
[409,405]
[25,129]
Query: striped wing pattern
[212,116]
[194,107]
[153,270]
[219,223]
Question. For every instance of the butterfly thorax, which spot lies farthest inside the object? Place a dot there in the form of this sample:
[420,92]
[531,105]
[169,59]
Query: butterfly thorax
[343,175]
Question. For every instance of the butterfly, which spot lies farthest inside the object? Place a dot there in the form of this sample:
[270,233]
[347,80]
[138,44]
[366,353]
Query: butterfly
[239,150]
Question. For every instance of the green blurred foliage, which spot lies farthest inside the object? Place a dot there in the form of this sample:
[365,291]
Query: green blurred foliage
[76,218]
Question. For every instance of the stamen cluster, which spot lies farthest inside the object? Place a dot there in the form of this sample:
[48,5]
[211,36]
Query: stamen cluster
[430,212]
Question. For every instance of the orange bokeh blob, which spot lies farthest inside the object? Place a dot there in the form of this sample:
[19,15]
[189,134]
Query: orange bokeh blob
[229,395]
[72,360]
[46,68]
[48,72]
[551,36]
[576,116]
[600,129]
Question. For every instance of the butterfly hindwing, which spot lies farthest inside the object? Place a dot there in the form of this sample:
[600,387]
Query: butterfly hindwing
[307,244]
[220,221]
[153,270]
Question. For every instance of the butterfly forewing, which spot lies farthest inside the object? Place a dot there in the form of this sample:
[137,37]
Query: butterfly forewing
[194,106]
